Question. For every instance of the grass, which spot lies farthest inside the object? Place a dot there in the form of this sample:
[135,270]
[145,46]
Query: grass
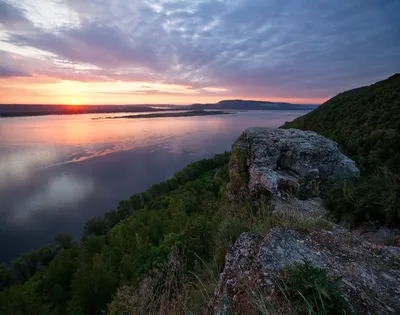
[302,289]
[262,220]
[240,177]
[172,290]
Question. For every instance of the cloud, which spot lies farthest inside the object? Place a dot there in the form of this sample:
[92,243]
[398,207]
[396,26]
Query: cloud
[18,166]
[62,191]
[9,72]
[252,48]
[13,17]
[170,90]
[92,43]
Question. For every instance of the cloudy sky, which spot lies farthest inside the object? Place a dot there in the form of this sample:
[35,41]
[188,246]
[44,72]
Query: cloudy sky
[185,51]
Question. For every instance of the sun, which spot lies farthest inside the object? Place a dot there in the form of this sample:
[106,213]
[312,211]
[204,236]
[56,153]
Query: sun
[74,102]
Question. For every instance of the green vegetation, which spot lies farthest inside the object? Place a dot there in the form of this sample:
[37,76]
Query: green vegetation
[125,247]
[305,290]
[160,251]
[240,177]
[28,264]
[161,115]
[365,123]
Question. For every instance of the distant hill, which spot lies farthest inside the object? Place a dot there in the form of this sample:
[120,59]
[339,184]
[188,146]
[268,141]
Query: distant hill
[17,110]
[252,105]
[366,124]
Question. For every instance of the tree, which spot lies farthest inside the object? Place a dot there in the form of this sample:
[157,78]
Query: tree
[26,265]
[64,241]
[5,277]
[96,226]
[93,286]
[46,254]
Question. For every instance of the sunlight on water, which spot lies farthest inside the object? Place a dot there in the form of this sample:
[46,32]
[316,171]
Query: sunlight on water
[57,171]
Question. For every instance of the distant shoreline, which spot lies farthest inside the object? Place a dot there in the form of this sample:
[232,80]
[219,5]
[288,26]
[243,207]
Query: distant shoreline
[162,115]
[227,105]
[78,110]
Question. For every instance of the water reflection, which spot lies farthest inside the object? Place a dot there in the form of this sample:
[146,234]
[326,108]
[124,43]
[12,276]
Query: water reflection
[17,166]
[57,171]
[61,191]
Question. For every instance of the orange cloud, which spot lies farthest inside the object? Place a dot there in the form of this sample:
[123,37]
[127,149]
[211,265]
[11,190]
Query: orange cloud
[48,90]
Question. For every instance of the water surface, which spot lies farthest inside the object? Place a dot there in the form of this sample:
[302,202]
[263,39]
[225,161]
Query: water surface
[58,171]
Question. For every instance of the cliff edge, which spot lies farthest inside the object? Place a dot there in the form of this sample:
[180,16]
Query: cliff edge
[277,273]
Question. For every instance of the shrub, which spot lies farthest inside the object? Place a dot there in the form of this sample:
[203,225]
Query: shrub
[311,291]
[372,198]
[365,124]
[5,277]
[303,290]
[228,231]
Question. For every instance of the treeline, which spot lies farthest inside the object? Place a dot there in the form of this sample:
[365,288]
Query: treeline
[102,224]
[124,246]
[27,264]
[365,123]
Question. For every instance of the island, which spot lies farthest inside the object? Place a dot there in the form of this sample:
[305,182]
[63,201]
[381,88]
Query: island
[23,110]
[286,223]
[161,115]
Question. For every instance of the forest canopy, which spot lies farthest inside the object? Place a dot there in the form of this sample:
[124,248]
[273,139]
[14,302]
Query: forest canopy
[365,122]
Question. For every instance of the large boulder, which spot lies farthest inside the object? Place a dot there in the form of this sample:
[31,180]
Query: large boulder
[370,275]
[285,163]
[290,169]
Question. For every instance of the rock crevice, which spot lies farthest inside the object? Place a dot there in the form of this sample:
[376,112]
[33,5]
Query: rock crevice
[291,168]
[286,162]
[370,276]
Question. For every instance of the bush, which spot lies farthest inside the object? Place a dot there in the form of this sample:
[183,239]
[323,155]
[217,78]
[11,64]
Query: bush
[365,124]
[303,290]
[373,198]
[228,232]
[311,291]
[5,277]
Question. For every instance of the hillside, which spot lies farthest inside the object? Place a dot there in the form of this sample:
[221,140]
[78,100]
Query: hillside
[244,231]
[365,123]
[182,216]
[252,105]
[162,251]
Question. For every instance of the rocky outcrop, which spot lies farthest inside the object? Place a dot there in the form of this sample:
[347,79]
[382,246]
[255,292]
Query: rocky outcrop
[285,162]
[290,169]
[370,275]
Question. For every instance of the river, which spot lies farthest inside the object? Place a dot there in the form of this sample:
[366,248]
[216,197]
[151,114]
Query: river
[58,171]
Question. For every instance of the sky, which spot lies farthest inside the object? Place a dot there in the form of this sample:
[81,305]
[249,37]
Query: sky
[190,51]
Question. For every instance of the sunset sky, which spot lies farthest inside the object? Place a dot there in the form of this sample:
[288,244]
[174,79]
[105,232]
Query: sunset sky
[186,51]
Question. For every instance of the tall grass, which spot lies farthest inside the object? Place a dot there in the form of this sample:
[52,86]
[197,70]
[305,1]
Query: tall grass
[302,289]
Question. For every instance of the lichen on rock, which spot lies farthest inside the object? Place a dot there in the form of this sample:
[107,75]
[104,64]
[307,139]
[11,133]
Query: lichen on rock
[291,169]
[286,162]
[370,276]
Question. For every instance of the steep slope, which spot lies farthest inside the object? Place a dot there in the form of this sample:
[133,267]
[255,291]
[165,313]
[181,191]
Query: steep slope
[366,124]
[292,269]
[162,250]
[364,121]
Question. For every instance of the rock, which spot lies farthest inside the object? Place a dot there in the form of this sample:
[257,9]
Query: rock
[378,235]
[286,162]
[237,273]
[290,169]
[370,276]
[310,208]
